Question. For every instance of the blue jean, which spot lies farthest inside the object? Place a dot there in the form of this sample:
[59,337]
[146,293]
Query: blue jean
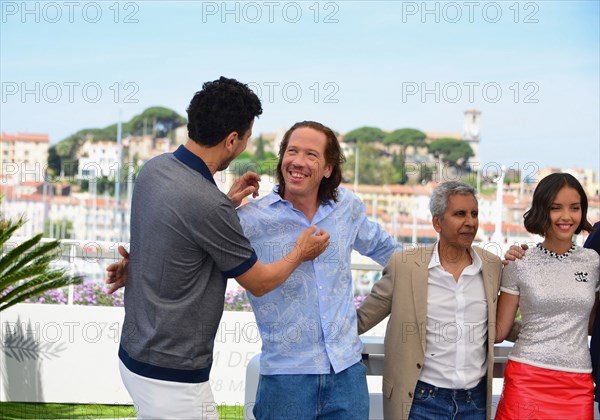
[342,395]
[433,403]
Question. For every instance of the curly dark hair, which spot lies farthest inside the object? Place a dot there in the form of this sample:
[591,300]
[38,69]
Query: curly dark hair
[333,156]
[220,108]
[537,218]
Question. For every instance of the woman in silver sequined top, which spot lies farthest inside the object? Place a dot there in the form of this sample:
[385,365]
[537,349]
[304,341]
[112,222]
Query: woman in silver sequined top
[555,286]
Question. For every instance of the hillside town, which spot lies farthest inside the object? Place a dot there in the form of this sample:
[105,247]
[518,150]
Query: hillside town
[82,205]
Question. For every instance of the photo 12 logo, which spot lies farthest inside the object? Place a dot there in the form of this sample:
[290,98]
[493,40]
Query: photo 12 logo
[67,331]
[469,12]
[472,92]
[69,11]
[293,92]
[71,92]
[270,12]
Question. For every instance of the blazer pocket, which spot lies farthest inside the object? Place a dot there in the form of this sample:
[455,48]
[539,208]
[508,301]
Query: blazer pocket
[387,388]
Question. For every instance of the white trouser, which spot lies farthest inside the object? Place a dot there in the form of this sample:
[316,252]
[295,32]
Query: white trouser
[156,399]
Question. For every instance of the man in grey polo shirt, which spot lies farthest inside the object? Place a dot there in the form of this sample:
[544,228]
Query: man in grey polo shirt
[186,240]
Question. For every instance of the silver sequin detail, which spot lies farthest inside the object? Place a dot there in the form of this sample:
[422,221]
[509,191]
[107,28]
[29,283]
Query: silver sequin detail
[554,254]
[555,307]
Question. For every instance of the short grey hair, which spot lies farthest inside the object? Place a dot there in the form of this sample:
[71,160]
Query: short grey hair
[441,194]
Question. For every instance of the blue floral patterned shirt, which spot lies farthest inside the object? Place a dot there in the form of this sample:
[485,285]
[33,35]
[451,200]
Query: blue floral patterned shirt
[308,324]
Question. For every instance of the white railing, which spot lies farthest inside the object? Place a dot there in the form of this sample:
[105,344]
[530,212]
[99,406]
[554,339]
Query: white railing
[90,258]
[80,257]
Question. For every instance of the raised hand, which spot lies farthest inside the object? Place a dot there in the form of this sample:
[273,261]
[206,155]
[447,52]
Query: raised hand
[245,185]
[515,252]
[117,272]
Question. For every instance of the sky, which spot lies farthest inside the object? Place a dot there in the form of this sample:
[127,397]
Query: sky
[532,68]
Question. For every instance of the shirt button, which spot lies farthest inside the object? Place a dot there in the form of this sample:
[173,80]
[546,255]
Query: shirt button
[323,317]
[321,287]
[418,366]
[410,394]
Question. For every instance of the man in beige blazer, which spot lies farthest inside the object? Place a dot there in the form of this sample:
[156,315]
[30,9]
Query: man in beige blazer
[439,342]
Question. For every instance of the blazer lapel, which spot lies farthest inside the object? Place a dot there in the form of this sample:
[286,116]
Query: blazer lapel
[490,275]
[419,278]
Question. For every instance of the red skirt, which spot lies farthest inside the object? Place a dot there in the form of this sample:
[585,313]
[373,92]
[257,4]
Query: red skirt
[531,392]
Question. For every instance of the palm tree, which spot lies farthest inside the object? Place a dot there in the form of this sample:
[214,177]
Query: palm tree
[25,270]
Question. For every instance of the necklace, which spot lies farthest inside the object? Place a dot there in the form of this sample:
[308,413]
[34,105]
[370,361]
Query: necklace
[554,254]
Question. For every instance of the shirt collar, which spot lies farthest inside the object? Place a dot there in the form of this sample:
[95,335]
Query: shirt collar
[476,264]
[275,197]
[194,162]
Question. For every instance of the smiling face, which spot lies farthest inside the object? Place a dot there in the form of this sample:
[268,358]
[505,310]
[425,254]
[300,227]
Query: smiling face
[458,226]
[565,217]
[303,164]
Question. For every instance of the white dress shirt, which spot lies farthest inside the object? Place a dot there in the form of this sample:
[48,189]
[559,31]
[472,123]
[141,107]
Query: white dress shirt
[455,355]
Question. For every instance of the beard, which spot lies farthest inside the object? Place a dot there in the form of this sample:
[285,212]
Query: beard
[224,165]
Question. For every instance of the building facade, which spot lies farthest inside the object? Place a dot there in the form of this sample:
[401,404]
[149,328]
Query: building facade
[24,157]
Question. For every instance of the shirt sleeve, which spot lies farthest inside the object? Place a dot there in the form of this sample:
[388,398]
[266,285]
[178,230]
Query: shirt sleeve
[593,240]
[371,240]
[222,237]
[598,274]
[509,283]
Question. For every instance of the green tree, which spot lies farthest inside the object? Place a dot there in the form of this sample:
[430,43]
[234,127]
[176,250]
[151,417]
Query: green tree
[243,163]
[365,135]
[268,165]
[260,148]
[271,156]
[405,137]
[425,173]
[374,167]
[67,149]
[399,165]
[62,228]
[103,183]
[245,155]
[53,161]
[454,152]
[246,162]
[25,270]
[160,121]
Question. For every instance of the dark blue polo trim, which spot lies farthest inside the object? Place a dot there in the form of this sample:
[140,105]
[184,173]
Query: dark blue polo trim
[242,268]
[194,162]
[593,240]
[162,373]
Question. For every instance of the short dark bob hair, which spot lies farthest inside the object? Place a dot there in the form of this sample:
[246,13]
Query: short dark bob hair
[537,218]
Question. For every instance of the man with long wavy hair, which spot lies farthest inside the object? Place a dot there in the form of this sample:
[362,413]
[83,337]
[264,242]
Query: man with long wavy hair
[311,354]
